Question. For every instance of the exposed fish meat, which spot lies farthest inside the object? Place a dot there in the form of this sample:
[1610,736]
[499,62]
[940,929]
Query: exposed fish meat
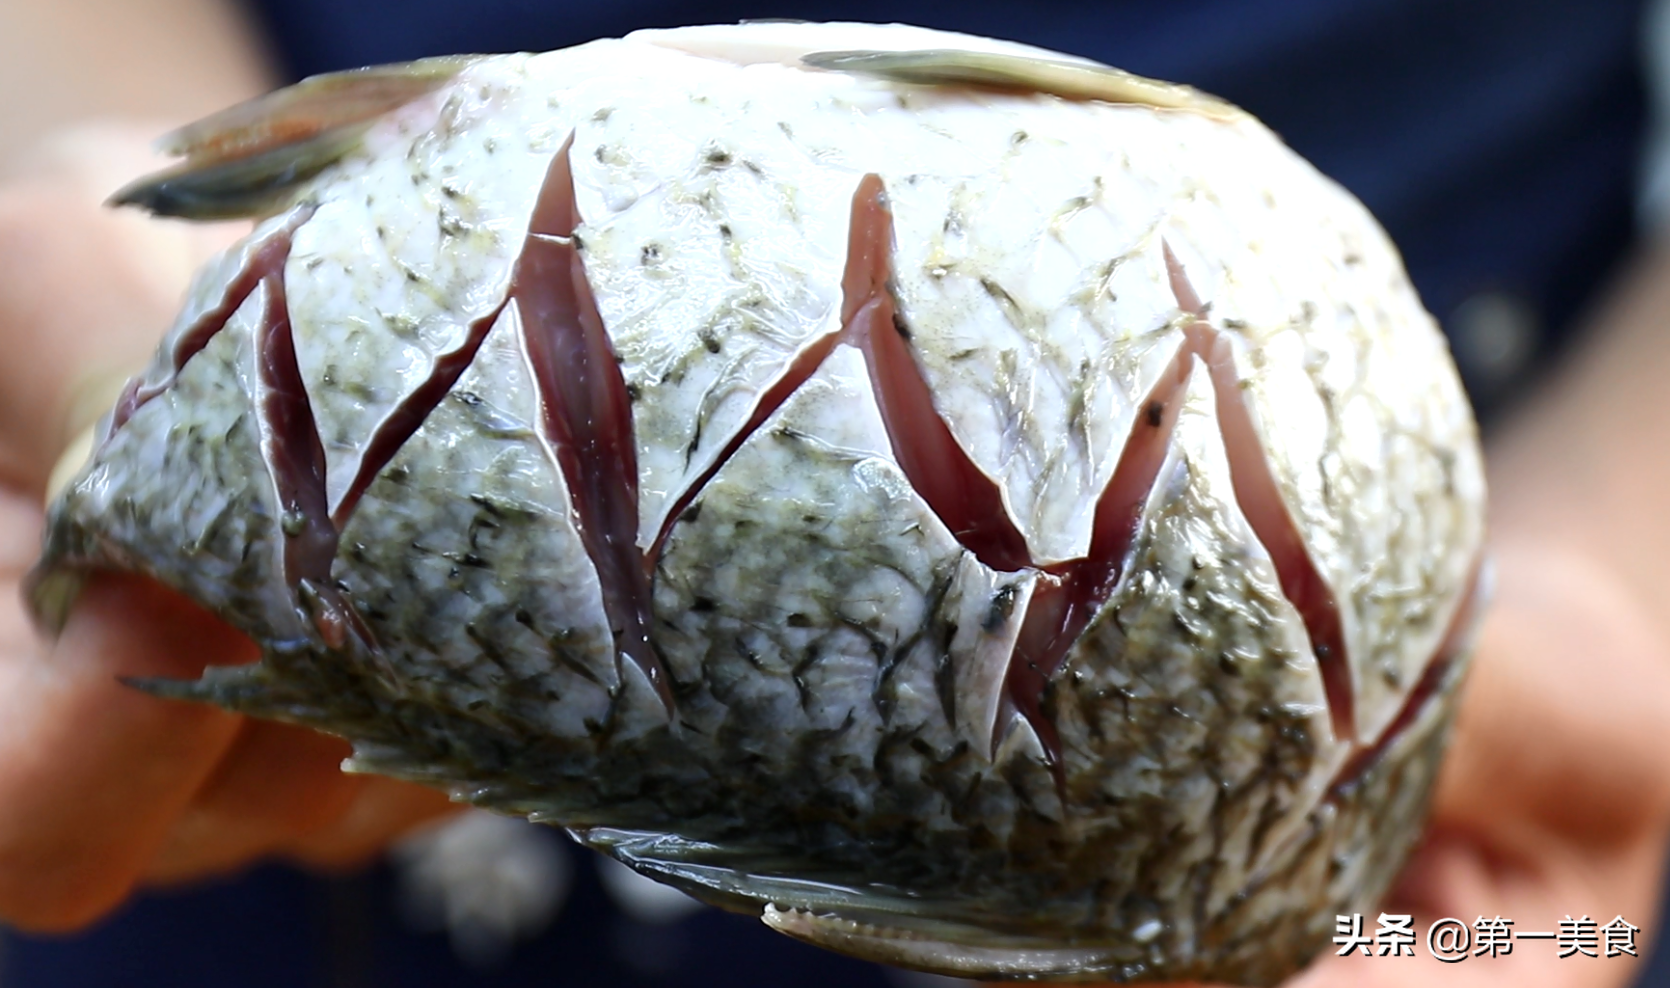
[977,509]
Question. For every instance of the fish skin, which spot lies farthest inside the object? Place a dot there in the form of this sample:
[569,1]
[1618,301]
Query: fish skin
[842,752]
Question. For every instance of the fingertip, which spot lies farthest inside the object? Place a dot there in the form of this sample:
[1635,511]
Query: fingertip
[382,812]
[93,773]
[277,785]
[71,906]
[228,826]
[125,626]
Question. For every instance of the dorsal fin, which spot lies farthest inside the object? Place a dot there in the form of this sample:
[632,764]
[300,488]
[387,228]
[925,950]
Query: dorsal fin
[248,159]
[1073,80]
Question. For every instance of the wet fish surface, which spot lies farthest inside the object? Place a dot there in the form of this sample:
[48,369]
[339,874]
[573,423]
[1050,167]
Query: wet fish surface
[975,509]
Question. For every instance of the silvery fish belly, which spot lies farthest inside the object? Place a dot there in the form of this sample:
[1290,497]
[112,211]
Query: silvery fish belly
[976,509]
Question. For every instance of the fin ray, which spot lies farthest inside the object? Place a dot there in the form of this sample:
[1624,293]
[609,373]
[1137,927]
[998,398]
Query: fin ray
[249,159]
[998,70]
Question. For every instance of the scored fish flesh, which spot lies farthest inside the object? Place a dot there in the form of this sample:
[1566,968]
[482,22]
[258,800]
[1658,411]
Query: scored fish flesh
[977,509]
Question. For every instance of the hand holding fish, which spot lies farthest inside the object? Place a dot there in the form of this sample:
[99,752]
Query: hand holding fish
[102,788]
[1530,817]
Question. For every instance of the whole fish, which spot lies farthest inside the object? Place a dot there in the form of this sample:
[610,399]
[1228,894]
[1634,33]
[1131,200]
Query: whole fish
[976,509]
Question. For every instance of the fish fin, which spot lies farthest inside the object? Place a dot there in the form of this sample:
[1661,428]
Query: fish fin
[253,690]
[975,956]
[737,878]
[1074,80]
[859,918]
[52,592]
[241,688]
[248,160]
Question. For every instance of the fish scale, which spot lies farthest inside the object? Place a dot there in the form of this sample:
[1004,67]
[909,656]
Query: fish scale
[972,508]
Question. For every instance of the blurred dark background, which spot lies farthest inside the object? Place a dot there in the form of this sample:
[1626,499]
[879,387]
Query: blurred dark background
[1500,141]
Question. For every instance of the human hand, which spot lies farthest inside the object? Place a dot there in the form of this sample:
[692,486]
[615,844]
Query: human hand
[103,788]
[1554,800]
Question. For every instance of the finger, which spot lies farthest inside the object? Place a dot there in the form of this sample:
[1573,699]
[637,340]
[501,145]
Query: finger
[93,773]
[1569,695]
[1531,821]
[277,784]
[85,294]
[382,812]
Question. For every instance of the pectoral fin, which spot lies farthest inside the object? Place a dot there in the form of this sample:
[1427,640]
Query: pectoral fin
[248,160]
